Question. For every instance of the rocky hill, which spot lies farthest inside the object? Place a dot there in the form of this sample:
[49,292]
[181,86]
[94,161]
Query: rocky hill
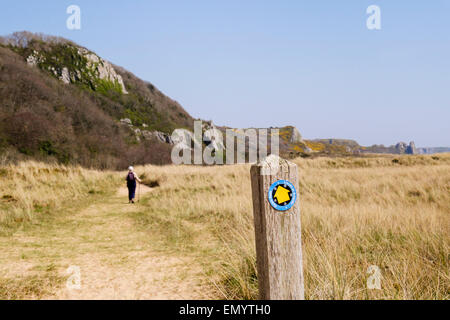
[61,101]
[353,147]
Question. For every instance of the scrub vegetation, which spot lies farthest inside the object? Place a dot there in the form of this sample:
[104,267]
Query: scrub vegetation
[42,118]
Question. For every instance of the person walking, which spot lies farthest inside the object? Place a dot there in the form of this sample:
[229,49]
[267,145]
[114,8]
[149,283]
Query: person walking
[132,178]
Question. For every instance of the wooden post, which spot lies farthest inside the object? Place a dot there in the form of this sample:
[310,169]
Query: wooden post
[277,233]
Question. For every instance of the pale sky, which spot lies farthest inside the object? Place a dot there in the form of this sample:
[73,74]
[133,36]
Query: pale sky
[312,64]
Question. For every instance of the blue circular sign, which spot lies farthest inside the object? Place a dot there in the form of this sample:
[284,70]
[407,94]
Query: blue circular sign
[282,195]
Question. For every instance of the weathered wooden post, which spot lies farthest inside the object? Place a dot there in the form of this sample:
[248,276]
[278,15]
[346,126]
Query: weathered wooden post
[276,212]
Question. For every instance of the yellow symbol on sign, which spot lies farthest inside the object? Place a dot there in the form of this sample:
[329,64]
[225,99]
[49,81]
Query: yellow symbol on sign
[282,195]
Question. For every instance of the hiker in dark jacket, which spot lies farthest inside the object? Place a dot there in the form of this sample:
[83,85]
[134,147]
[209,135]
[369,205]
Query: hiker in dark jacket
[131,184]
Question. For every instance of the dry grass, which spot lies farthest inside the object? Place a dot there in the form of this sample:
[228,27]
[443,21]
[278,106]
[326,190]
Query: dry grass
[87,223]
[392,212]
[394,217]
[30,287]
[32,189]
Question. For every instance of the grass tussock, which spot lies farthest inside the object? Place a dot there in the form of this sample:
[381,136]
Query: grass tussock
[388,211]
[29,287]
[32,189]
[154,179]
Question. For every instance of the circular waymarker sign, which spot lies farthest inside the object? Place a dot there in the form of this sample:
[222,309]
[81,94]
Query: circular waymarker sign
[282,195]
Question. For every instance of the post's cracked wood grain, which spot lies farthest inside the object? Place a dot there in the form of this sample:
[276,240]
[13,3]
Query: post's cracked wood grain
[277,233]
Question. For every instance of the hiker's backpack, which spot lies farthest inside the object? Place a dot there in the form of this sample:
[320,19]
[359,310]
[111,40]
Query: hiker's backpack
[130,177]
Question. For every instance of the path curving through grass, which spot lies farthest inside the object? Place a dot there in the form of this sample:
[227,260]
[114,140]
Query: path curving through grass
[115,259]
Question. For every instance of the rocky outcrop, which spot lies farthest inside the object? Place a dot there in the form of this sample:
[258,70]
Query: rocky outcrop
[126,121]
[103,69]
[184,138]
[404,148]
[146,134]
[34,59]
[401,147]
[307,149]
[411,149]
[95,69]
[160,136]
[65,76]
[296,137]
[210,133]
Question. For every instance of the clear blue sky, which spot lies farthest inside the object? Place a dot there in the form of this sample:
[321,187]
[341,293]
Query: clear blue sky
[312,64]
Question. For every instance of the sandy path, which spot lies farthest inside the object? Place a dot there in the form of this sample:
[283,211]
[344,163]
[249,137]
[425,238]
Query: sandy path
[115,259]
[122,264]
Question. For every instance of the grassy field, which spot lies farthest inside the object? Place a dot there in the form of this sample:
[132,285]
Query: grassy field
[31,190]
[387,211]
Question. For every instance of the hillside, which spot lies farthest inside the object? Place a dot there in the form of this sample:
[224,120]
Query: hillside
[61,101]
[346,146]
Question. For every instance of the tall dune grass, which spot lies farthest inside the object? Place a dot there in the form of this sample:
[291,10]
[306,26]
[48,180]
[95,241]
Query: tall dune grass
[391,212]
[29,190]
